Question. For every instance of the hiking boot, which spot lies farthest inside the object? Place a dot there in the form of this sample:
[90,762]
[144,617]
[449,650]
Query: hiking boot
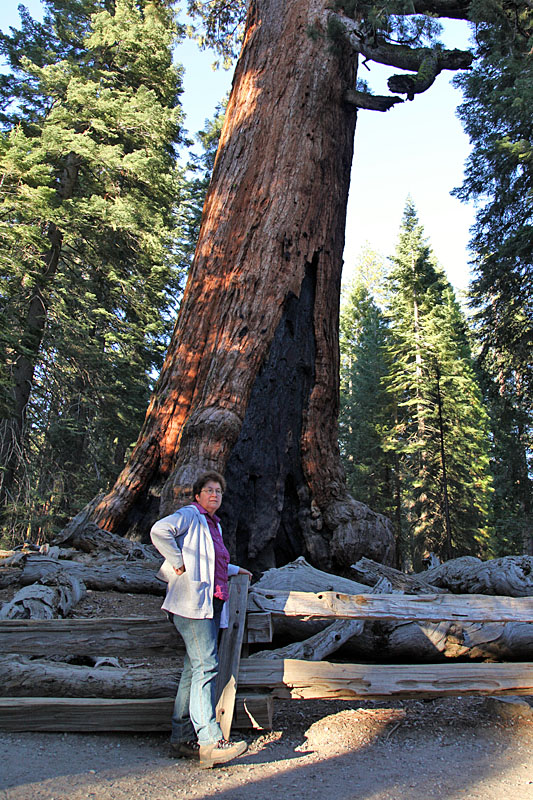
[220,752]
[185,749]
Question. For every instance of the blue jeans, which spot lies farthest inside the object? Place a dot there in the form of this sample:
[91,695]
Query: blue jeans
[194,707]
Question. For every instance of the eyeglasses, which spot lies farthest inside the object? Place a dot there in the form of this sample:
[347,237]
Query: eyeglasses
[218,492]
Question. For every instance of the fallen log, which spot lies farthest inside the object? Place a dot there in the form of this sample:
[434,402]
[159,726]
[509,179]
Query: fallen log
[89,538]
[120,577]
[89,714]
[50,597]
[430,608]
[318,646]
[284,678]
[21,676]
[106,636]
[370,572]
[299,576]
[9,576]
[325,642]
[323,680]
[433,642]
[124,636]
[510,575]
[404,640]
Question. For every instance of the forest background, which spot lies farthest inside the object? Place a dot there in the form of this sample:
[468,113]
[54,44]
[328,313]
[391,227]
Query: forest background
[440,444]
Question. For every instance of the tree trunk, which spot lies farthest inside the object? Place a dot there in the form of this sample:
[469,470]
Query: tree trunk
[369,573]
[115,577]
[510,575]
[12,428]
[250,382]
[53,596]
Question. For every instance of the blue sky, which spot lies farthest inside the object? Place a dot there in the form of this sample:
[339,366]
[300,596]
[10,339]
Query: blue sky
[417,148]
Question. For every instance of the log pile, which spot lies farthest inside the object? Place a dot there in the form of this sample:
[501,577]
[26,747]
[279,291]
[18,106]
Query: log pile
[510,576]
[420,641]
[54,578]
[383,615]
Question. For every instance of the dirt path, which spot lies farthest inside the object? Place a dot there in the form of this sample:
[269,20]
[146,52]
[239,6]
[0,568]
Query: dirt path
[445,749]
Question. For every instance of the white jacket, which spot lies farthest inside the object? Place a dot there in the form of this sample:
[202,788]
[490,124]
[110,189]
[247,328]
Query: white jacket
[183,538]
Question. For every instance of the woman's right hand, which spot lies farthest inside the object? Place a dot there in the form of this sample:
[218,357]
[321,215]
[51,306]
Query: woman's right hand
[179,570]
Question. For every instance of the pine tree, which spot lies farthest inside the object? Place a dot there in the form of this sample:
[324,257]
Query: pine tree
[497,114]
[441,431]
[512,503]
[91,237]
[365,407]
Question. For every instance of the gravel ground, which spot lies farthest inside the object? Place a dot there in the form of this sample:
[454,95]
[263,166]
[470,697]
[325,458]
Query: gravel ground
[447,749]
[460,748]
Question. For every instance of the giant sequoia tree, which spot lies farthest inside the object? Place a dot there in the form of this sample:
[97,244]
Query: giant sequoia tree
[250,382]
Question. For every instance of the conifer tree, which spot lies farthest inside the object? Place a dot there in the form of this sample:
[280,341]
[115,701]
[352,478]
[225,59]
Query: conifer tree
[90,233]
[441,431]
[497,114]
[364,404]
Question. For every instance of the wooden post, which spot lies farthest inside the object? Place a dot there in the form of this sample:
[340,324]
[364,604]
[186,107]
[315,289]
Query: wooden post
[230,652]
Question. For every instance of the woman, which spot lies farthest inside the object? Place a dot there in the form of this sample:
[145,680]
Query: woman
[197,569]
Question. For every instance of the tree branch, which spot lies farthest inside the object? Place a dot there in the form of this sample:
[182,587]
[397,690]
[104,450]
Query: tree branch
[425,62]
[371,102]
[397,55]
[452,9]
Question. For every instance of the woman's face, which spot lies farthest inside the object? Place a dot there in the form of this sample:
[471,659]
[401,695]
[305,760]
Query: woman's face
[210,496]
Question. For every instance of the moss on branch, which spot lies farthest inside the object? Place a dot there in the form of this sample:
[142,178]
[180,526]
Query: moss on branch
[371,102]
[424,62]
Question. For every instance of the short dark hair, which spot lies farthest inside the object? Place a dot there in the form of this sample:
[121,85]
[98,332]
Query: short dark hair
[204,478]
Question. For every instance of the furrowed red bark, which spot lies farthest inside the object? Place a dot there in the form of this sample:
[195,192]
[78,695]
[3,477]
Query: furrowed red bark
[250,382]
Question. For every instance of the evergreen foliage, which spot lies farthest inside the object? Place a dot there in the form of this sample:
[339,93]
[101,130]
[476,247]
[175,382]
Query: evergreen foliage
[441,430]
[497,114]
[414,432]
[90,235]
[365,407]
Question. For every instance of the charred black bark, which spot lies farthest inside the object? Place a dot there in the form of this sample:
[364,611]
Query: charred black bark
[266,511]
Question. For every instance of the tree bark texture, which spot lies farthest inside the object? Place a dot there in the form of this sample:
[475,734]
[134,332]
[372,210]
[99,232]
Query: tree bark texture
[12,428]
[24,677]
[370,573]
[414,641]
[509,575]
[113,577]
[250,381]
[52,596]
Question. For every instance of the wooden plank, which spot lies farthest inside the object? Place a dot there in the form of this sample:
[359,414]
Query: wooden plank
[287,679]
[89,714]
[292,678]
[254,711]
[259,628]
[230,652]
[117,636]
[427,608]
